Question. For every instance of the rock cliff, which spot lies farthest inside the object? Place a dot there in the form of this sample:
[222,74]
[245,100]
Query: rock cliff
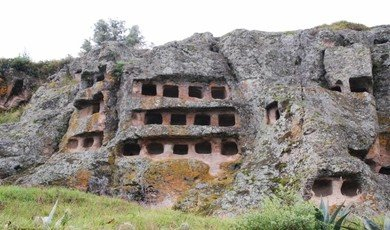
[214,124]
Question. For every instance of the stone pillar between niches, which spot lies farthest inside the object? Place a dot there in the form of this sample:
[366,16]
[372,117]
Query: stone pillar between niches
[137,118]
[166,116]
[336,187]
[214,119]
[143,151]
[168,149]
[207,93]
[191,150]
[159,90]
[183,92]
[137,87]
[101,107]
[190,118]
[97,141]
[216,146]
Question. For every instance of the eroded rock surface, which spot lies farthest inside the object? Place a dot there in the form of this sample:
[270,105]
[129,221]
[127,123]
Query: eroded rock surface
[213,125]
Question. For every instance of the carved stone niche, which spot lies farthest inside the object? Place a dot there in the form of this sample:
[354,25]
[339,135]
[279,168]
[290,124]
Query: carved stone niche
[13,95]
[214,117]
[88,79]
[378,157]
[212,151]
[272,113]
[336,190]
[85,142]
[183,90]
[89,107]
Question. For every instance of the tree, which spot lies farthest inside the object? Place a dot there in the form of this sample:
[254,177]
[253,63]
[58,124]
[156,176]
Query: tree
[134,37]
[86,46]
[113,30]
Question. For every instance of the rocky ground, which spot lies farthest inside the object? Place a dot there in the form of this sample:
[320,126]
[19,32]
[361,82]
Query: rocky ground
[213,124]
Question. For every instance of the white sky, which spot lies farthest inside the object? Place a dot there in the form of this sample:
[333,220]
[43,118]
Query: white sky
[48,29]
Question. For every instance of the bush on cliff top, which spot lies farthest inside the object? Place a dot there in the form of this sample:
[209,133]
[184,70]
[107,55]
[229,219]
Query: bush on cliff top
[42,69]
[342,25]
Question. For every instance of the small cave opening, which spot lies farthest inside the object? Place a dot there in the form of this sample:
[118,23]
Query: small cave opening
[88,142]
[380,41]
[202,119]
[226,120]
[86,80]
[322,187]
[99,77]
[96,100]
[229,148]
[350,188]
[17,88]
[155,148]
[218,92]
[180,149]
[72,144]
[171,91]
[195,91]
[360,84]
[203,147]
[385,170]
[272,114]
[149,90]
[131,149]
[360,153]
[178,119]
[336,88]
[17,167]
[371,163]
[153,118]
[95,108]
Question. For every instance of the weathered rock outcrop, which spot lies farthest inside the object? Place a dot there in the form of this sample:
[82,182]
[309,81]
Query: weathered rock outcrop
[213,125]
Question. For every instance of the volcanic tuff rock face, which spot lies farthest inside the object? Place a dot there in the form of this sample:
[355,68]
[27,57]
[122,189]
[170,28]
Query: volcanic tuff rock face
[213,125]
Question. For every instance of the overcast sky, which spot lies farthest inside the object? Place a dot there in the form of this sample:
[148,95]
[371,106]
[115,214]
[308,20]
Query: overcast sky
[48,29]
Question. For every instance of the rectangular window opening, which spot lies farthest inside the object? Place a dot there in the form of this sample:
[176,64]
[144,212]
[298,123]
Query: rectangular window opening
[178,119]
[218,92]
[180,149]
[149,90]
[171,91]
[195,91]
[153,118]
[226,120]
[202,119]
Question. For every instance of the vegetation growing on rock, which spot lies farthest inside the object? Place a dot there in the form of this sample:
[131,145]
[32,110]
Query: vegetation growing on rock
[41,69]
[342,25]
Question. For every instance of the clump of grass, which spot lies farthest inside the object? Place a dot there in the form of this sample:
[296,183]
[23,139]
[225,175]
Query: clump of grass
[11,116]
[342,25]
[20,205]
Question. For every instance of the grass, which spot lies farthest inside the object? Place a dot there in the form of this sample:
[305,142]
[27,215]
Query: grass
[11,116]
[285,210]
[20,205]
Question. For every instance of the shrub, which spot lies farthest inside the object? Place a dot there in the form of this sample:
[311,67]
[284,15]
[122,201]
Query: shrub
[342,25]
[118,70]
[277,213]
[42,69]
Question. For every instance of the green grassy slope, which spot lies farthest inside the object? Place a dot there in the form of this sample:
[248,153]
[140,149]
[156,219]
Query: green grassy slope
[20,205]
